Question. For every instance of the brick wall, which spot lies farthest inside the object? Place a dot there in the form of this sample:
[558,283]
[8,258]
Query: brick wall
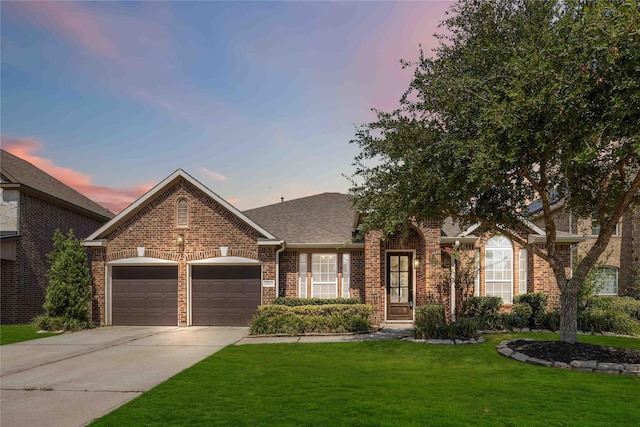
[154,227]
[24,285]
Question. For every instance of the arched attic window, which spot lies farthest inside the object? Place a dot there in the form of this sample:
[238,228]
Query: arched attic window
[182,213]
[498,268]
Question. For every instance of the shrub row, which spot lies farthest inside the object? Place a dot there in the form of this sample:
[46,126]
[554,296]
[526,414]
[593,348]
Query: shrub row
[430,324]
[47,323]
[295,302]
[334,318]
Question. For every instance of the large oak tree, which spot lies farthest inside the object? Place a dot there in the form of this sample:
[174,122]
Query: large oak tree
[522,100]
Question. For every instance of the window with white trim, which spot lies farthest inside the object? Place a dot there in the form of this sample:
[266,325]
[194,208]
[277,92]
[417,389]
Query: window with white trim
[595,227]
[346,275]
[522,271]
[606,280]
[498,268]
[324,275]
[182,213]
[302,272]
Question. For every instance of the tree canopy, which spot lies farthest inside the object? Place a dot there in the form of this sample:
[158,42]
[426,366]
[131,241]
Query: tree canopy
[522,100]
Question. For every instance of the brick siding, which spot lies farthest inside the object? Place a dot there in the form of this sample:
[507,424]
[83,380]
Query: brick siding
[24,281]
[154,227]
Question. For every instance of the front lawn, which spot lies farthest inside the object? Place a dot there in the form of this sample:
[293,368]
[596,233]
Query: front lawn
[16,333]
[391,383]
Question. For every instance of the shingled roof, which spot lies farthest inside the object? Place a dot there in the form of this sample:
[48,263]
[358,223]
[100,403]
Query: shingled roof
[325,218]
[19,172]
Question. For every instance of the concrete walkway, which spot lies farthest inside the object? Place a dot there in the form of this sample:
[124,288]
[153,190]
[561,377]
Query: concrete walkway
[389,332]
[71,379]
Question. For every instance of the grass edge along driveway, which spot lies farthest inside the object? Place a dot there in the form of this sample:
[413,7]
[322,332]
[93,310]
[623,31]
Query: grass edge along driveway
[393,383]
[10,334]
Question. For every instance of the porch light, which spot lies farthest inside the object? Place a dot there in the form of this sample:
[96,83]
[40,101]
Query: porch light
[180,240]
[416,263]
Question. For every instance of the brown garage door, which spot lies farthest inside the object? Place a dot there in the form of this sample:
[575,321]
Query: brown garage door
[145,295]
[224,295]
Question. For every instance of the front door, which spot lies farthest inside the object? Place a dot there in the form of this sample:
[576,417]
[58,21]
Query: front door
[399,286]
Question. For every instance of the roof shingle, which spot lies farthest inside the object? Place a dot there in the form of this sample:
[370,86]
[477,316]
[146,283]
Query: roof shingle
[19,171]
[323,218]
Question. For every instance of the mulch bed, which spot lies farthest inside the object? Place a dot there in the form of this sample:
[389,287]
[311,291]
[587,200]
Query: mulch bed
[559,351]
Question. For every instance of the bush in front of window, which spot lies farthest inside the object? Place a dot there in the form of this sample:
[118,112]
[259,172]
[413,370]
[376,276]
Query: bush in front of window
[295,302]
[520,316]
[538,304]
[628,305]
[485,311]
[598,319]
[324,319]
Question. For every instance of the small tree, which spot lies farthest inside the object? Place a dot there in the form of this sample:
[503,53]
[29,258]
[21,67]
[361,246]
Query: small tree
[69,291]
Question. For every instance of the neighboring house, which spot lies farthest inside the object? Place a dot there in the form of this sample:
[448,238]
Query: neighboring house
[33,205]
[614,272]
[181,255]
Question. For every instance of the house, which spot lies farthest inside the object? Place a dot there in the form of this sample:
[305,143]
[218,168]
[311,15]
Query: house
[182,255]
[33,205]
[615,269]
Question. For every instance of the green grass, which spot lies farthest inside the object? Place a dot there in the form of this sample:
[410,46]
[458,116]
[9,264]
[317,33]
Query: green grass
[391,383]
[17,333]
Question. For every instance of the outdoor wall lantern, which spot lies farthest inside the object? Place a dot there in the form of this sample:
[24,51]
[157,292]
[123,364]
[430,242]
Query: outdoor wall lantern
[180,240]
[416,263]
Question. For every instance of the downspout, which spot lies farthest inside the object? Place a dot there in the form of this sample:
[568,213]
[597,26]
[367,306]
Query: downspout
[453,284]
[283,245]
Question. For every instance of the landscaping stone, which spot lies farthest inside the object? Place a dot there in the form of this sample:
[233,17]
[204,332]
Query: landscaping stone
[539,362]
[575,365]
[584,364]
[610,366]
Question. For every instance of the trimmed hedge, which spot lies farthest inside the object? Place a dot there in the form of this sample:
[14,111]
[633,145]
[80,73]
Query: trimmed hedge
[431,324]
[296,302]
[538,304]
[327,319]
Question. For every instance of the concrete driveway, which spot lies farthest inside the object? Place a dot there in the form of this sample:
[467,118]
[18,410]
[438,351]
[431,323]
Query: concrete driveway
[71,379]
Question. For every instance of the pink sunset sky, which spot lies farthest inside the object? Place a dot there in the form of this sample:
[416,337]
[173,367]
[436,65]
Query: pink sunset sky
[257,100]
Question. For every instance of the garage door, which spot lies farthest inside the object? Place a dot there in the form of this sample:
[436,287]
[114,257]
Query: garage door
[224,295]
[144,295]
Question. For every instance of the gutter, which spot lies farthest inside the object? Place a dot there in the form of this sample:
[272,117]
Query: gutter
[283,245]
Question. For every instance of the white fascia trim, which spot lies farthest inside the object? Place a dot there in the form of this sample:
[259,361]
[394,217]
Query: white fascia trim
[226,260]
[469,230]
[141,260]
[454,239]
[534,227]
[270,242]
[99,243]
[325,245]
[151,193]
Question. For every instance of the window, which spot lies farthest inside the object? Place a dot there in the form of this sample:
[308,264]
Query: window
[595,227]
[182,213]
[606,280]
[324,277]
[302,271]
[498,268]
[346,275]
[522,271]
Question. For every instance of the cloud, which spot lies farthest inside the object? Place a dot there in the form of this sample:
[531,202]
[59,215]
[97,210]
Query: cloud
[213,175]
[113,199]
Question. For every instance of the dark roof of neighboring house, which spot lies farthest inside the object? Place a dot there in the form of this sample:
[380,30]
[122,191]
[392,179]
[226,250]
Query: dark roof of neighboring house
[323,218]
[19,171]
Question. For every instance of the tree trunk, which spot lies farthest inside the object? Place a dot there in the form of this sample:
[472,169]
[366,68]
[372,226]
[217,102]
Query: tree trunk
[569,315]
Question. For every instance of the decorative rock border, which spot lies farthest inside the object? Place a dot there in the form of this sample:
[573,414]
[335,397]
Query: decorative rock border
[575,365]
